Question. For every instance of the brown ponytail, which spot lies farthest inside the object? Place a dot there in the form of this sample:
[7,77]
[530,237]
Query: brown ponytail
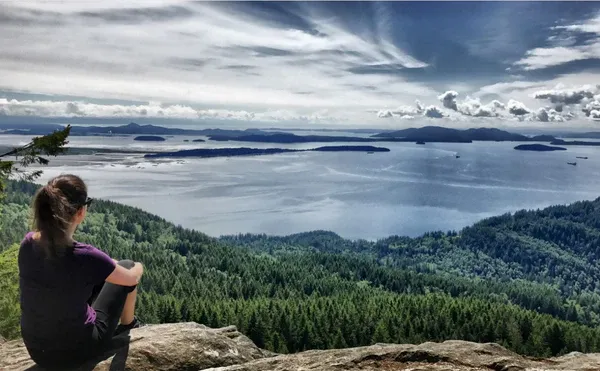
[54,207]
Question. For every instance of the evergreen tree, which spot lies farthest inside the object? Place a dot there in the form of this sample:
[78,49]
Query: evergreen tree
[34,152]
[381,334]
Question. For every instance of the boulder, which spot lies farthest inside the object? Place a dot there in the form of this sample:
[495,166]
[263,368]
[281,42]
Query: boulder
[190,346]
[452,355]
[176,346]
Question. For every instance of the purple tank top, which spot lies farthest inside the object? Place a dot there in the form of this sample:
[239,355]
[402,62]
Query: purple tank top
[55,314]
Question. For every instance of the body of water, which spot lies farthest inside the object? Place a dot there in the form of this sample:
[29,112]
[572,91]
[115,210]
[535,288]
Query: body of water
[408,191]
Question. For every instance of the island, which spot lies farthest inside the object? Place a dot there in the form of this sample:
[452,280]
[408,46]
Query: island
[243,151]
[575,143]
[441,134]
[198,140]
[149,138]
[538,148]
[432,134]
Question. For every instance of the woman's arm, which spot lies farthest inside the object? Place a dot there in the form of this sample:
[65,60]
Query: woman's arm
[126,277]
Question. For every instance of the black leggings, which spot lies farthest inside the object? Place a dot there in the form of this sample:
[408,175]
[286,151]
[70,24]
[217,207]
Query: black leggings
[108,301]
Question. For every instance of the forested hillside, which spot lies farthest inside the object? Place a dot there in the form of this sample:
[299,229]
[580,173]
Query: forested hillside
[528,281]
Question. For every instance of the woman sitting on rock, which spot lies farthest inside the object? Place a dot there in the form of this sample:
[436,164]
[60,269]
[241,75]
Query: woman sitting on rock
[72,294]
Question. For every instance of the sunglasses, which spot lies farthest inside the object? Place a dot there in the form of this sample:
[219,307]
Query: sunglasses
[88,201]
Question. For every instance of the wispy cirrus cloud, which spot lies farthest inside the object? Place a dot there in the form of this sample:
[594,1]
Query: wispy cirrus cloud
[563,46]
[204,55]
[308,61]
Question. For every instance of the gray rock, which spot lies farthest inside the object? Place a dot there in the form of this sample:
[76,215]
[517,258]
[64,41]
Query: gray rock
[190,346]
[176,346]
[447,356]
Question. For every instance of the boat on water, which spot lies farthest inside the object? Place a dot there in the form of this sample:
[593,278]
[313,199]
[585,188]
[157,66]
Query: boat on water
[582,157]
[572,163]
[457,155]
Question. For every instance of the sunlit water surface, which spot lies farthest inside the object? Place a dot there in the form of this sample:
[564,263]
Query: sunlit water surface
[408,191]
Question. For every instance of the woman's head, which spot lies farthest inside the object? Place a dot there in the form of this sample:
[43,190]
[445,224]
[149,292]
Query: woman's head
[58,207]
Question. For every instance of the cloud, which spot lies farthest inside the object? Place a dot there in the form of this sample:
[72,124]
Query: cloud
[420,107]
[592,106]
[565,52]
[46,108]
[433,112]
[41,108]
[517,108]
[484,111]
[405,110]
[547,57]
[568,96]
[202,54]
[384,114]
[237,61]
[585,98]
[497,104]
[504,88]
[73,109]
[542,115]
[402,112]
[470,106]
[514,109]
[548,115]
[448,99]
[474,107]
[595,115]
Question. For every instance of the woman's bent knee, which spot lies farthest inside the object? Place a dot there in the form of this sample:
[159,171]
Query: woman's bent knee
[126,263]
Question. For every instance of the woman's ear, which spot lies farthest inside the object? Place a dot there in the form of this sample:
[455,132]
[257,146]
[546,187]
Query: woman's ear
[81,214]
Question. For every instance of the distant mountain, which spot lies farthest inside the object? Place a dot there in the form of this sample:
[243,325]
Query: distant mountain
[543,138]
[437,133]
[575,143]
[129,129]
[134,129]
[423,135]
[354,131]
[588,135]
[288,138]
[27,127]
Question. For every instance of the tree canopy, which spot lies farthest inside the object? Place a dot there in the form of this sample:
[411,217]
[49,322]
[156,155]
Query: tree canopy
[525,280]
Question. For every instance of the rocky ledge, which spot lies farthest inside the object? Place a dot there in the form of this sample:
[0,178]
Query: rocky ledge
[190,346]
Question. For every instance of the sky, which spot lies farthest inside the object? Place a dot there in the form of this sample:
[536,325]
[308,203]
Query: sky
[359,64]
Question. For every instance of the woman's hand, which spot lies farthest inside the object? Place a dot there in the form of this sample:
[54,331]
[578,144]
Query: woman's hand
[138,269]
[126,277]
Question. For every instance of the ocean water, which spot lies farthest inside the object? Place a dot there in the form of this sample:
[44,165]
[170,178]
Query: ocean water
[408,191]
